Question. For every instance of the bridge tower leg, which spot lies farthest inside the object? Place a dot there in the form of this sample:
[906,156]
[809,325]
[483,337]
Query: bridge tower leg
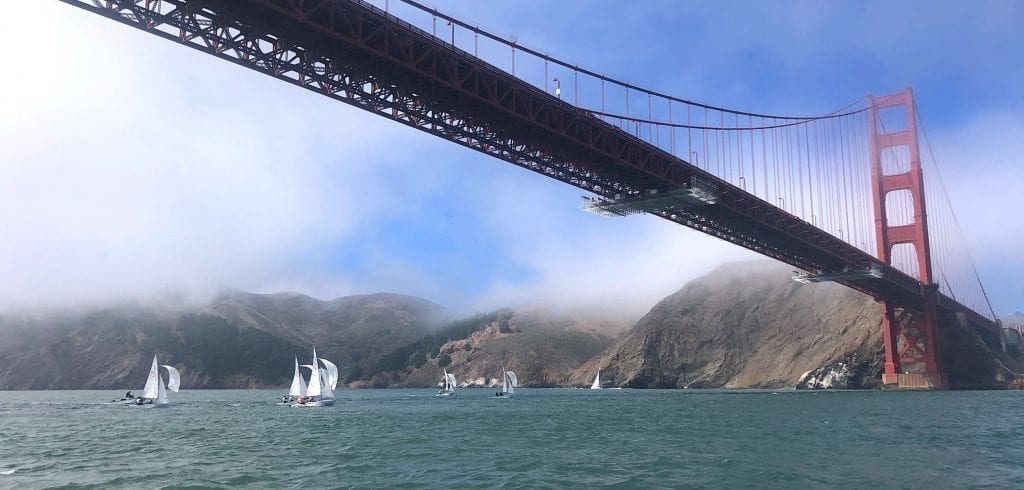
[909,330]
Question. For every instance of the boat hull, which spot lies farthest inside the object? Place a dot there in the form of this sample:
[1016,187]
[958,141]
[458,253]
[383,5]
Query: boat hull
[318,403]
[149,405]
[123,401]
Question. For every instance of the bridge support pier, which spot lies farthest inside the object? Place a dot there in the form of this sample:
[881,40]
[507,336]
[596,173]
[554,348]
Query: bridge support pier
[911,345]
[908,330]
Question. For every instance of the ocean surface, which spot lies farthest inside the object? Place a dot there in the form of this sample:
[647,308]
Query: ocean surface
[540,438]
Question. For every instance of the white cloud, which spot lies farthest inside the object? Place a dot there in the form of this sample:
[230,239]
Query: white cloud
[120,178]
[580,260]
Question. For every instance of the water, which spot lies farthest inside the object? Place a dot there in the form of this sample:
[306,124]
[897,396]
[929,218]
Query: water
[540,438]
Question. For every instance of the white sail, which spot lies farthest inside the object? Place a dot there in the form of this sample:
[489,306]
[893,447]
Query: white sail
[298,384]
[152,389]
[173,378]
[161,395]
[325,386]
[450,382]
[314,387]
[509,383]
[597,382]
[305,389]
[332,372]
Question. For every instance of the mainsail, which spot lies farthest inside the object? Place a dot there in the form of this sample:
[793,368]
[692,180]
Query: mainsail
[298,384]
[152,390]
[449,381]
[314,388]
[161,396]
[597,382]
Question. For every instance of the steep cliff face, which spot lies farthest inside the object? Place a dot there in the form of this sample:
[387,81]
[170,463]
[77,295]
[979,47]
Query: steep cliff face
[748,325]
[744,325]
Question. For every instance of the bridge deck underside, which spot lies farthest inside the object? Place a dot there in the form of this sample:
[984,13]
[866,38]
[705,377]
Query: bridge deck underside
[357,54]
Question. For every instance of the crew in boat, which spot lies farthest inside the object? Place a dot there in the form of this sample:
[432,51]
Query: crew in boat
[129,396]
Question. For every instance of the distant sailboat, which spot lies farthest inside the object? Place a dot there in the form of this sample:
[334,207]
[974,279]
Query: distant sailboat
[319,392]
[154,394]
[596,385]
[508,383]
[297,389]
[449,384]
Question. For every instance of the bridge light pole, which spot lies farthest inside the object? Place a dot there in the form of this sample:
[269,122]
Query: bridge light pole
[558,87]
[696,159]
[743,183]
[514,38]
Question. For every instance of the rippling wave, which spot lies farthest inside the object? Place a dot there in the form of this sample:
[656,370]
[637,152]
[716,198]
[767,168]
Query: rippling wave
[541,438]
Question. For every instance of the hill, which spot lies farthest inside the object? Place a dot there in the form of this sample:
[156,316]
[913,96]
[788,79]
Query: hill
[238,340]
[748,325]
[542,350]
[247,340]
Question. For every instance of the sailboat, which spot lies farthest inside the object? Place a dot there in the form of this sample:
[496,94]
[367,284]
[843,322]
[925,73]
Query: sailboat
[154,394]
[319,391]
[508,383]
[449,384]
[596,385]
[297,389]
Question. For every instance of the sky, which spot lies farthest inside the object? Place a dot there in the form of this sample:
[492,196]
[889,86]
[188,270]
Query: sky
[132,167]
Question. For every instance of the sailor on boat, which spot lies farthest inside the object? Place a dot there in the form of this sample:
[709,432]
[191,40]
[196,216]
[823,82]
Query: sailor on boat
[449,384]
[508,384]
[128,398]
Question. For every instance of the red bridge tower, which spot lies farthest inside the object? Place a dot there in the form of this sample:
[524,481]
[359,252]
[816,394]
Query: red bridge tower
[909,330]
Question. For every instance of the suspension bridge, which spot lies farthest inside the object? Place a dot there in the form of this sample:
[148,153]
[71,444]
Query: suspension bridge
[853,196]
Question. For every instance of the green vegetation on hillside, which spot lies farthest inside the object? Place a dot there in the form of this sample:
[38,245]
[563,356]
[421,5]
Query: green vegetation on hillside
[414,355]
